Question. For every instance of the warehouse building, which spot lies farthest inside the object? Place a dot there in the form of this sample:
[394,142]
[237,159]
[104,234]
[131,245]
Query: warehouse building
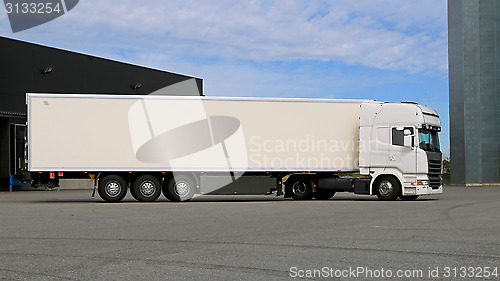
[27,67]
[474,73]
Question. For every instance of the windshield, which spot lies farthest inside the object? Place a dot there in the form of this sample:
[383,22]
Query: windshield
[429,140]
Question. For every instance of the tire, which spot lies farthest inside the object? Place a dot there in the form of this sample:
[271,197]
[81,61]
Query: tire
[133,194]
[181,188]
[164,189]
[146,188]
[112,188]
[408,198]
[387,188]
[324,194]
[301,188]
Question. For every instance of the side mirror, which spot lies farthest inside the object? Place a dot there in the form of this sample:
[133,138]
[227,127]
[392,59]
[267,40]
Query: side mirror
[408,141]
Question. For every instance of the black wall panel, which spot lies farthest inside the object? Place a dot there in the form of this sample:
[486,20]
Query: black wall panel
[22,68]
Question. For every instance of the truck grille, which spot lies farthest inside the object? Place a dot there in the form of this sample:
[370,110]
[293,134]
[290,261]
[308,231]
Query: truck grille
[434,174]
[434,182]
[434,167]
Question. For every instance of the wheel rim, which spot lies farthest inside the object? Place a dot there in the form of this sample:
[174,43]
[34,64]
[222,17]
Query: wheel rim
[113,188]
[299,188]
[181,188]
[385,188]
[147,188]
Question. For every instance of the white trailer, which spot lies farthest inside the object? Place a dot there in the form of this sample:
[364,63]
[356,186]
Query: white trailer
[189,145]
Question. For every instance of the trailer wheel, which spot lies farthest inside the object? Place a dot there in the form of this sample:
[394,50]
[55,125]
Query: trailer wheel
[112,188]
[146,188]
[408,198]
[164,189]
[324,194]
[181,188]
[387,188]
[301,188]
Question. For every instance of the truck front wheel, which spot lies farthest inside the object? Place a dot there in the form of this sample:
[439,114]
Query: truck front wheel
[146,188]
[387,188]
[112,188]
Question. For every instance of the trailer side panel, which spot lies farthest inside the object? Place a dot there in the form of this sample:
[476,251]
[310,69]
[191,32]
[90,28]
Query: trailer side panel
[138,133]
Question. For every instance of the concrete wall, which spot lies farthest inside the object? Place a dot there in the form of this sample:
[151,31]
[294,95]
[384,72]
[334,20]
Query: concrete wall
[474,64]
[76,184]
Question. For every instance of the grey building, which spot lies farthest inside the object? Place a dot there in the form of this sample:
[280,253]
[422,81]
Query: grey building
[474,73]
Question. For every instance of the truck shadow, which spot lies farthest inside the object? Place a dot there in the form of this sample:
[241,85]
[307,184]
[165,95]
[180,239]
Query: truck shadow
[235,200]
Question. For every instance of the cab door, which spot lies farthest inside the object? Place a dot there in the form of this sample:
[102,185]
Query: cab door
[403,156]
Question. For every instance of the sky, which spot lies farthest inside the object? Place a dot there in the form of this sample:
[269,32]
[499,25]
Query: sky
[386,50]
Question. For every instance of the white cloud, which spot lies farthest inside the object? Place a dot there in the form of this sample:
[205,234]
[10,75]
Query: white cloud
[394,35]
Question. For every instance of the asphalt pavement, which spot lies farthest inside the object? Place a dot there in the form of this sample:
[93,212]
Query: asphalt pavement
[67,235]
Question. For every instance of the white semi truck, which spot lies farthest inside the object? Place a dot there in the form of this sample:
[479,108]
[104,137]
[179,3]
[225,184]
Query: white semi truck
[185,146]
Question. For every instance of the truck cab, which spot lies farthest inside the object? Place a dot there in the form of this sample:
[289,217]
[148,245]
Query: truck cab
[399,149]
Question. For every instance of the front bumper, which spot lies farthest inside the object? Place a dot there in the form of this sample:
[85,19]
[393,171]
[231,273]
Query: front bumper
[413,188]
